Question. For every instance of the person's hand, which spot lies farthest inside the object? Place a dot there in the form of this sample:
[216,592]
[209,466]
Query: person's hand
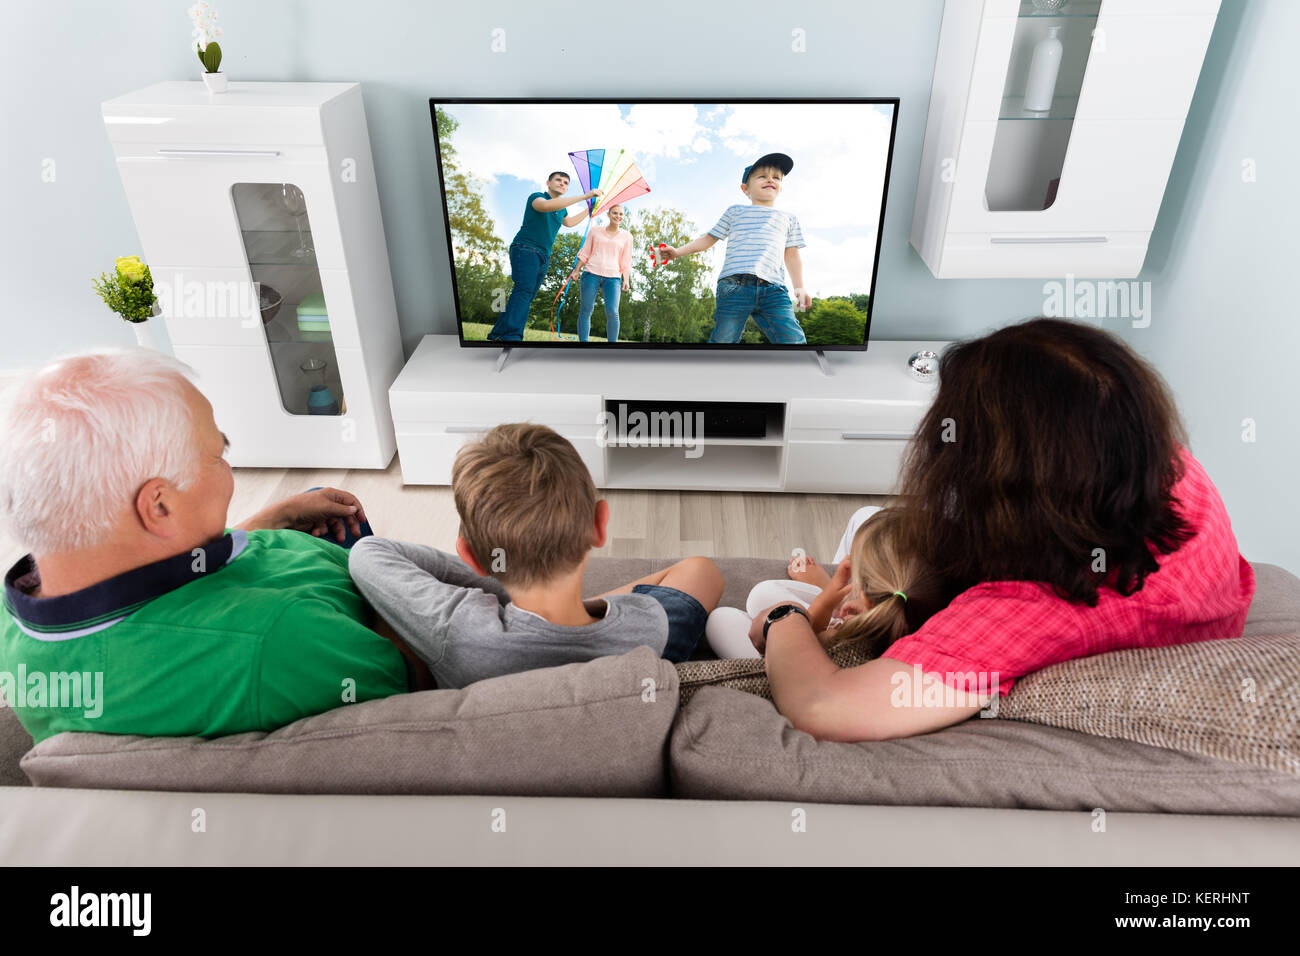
[843,575]
[321,512]
[574,274]
[668,253]
[595,193]
[803,301]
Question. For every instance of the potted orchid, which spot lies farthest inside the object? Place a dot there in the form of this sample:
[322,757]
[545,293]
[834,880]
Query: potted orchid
[128,291]
[205,35]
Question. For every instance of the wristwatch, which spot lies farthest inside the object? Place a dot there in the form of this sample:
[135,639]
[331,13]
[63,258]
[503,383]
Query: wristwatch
[777,613]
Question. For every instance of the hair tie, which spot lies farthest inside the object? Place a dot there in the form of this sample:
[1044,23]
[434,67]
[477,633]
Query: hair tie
[901,594]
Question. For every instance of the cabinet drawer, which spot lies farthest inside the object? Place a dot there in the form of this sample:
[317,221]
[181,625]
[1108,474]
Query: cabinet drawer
[828,419]
[428,451]
[867,467]
[488,409]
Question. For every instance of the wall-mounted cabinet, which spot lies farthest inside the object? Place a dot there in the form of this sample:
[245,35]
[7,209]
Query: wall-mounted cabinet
[258,214]
[1051,132]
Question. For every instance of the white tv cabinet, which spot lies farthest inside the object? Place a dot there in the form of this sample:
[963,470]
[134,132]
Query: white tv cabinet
[1012,193]
[270,187]
[842,433]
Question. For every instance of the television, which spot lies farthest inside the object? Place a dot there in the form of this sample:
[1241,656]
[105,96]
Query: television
[664,223]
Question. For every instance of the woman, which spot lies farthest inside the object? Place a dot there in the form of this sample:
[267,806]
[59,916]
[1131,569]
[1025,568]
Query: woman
[607,259]
[1050,491]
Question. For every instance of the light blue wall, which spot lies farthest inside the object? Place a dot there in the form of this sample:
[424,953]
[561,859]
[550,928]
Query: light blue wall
[1221,260]
[1223,267]
[62,58]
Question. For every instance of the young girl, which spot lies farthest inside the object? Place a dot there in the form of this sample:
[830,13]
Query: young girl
[605,264]
[875,596]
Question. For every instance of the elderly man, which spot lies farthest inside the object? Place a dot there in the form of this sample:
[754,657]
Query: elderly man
[113,474]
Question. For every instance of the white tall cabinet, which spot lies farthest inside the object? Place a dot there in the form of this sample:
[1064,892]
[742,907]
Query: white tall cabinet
[259,218]
[1005,191]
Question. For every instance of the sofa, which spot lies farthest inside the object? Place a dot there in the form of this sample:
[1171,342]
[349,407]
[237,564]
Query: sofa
[1179,756]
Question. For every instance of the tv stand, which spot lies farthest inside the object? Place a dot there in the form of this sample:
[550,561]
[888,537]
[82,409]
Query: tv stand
[504,357]
[744,421]
[820,357]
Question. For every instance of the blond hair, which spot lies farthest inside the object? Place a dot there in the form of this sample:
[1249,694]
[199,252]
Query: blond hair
[526,501]
[902,589]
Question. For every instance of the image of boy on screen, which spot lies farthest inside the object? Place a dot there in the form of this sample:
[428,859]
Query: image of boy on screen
[604,264]
[530,251]
[763,242]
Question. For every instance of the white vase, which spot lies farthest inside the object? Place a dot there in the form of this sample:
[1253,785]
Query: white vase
[216,82]
[144,336]
[1040,87]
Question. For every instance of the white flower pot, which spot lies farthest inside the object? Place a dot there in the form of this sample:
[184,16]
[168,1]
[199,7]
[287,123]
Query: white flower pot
[216,82]
[144,336]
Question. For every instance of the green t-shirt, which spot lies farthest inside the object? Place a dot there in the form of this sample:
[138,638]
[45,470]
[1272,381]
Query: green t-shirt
[539,228]
[251,632]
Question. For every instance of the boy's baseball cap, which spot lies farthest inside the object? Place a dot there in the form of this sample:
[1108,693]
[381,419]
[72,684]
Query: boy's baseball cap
[780,160]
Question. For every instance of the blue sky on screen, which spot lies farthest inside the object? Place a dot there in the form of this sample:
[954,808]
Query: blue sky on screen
[692,156]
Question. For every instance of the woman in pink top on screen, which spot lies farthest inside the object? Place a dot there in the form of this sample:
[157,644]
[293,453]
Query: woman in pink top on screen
[1050,490]
[607,259]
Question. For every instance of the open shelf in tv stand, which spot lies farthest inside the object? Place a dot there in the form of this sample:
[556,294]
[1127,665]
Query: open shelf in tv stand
[838,433]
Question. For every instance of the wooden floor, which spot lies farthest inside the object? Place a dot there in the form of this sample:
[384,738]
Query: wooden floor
[648,524]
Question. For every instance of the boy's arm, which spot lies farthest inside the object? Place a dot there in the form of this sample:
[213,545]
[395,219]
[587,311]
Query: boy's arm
[576,218]
[417,589]
[705,241]
[794,265]
[563,202]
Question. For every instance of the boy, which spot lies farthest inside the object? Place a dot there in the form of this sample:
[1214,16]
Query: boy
[513,599]
[530,252]
[759,238]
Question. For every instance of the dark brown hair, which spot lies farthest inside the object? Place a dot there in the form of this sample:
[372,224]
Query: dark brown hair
[526,501]
[558,172]
[1047,441]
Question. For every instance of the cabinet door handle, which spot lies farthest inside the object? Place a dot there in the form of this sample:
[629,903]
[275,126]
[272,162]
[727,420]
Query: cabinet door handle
[1033,240]
[864,436]
[467,429]
[177,151]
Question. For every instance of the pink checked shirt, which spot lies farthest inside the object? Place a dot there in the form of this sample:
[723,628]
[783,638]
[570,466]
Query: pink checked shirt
[1201,592]
[607,255]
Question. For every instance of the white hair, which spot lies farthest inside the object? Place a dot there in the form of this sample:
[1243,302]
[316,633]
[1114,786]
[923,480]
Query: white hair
[80,437]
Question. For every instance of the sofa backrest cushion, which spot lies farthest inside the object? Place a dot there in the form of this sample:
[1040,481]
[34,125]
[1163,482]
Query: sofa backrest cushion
[595,729]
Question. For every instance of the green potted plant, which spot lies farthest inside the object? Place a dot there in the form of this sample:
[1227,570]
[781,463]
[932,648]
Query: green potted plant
[206,32]
[128,291]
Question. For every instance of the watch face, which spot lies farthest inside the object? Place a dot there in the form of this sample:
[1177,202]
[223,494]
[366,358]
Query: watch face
[779,612]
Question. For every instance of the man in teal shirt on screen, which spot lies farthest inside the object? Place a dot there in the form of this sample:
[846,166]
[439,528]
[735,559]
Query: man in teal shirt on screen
[138,611]
[530,252]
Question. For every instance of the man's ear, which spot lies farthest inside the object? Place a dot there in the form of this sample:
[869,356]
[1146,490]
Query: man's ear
[467,555]
[155,507]
[601,526]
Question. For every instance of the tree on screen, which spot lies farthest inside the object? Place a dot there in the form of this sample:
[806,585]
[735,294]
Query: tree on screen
[477,252]
[671,303]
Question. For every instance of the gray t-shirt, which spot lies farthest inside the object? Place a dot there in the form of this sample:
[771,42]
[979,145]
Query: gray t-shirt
[465,627]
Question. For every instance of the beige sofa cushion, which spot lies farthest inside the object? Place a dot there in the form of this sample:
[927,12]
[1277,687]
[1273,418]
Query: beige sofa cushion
[729,745]
[597,729]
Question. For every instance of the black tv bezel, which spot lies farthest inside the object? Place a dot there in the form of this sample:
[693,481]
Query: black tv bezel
[435,102]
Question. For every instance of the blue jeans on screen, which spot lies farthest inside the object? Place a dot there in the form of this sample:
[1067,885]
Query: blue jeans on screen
[527,270]
[612,288]
[770,306]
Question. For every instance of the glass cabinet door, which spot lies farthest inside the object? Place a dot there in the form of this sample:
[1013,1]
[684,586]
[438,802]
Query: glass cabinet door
[276,230]
[1049,58]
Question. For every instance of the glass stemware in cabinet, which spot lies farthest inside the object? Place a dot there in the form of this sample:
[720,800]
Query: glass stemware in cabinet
[296,203]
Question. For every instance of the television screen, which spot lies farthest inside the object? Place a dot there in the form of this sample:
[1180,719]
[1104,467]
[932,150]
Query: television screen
[664,223]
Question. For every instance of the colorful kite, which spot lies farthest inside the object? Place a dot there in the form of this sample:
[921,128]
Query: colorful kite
[618,179]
